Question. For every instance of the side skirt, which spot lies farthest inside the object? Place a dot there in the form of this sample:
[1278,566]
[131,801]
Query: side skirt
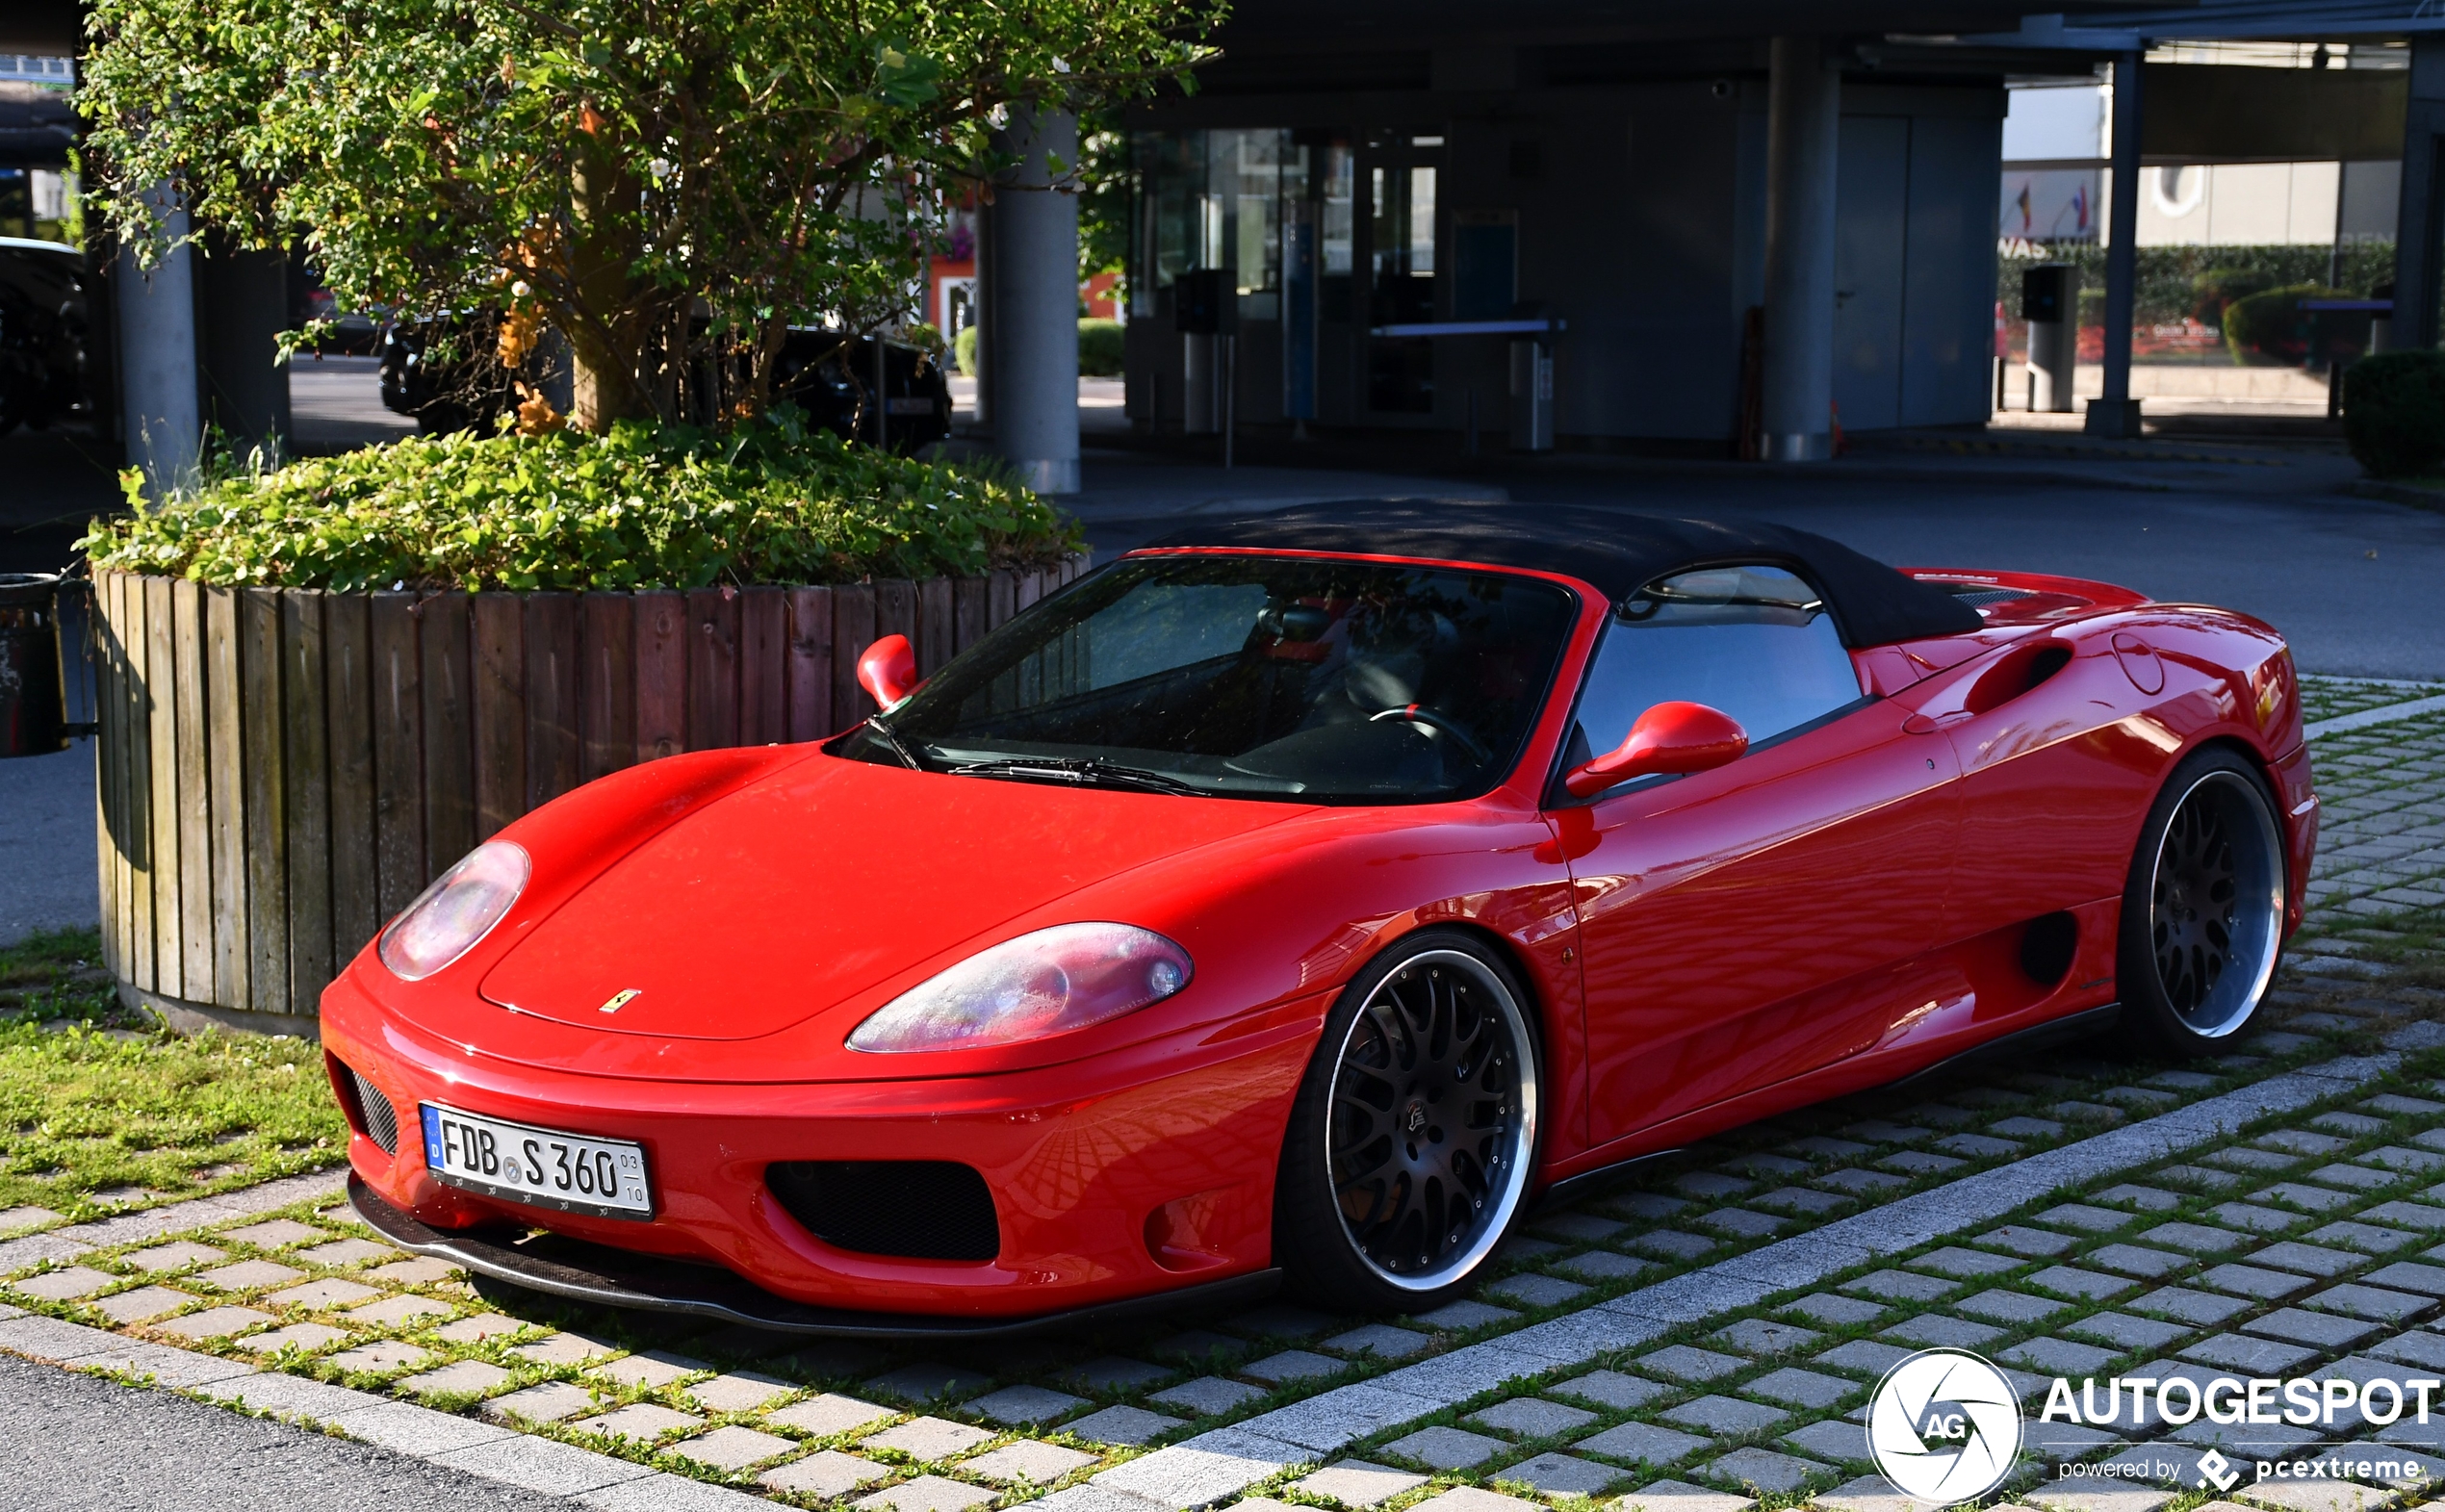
[2082,1025]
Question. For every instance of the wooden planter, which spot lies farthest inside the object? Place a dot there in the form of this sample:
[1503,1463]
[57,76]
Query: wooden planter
[281,770]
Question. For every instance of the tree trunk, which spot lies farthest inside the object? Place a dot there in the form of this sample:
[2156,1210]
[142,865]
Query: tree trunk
[606,343]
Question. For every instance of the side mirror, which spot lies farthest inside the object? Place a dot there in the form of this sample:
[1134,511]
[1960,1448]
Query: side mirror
[887,670]
[1669,738]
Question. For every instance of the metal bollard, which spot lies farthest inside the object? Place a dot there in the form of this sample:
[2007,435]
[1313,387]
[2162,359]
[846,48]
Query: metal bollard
[33,718]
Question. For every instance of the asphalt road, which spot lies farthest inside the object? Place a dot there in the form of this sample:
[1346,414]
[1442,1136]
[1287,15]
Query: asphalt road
[72,1443]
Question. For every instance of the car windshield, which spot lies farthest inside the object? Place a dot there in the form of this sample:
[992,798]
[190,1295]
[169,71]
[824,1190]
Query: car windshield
[1249,677]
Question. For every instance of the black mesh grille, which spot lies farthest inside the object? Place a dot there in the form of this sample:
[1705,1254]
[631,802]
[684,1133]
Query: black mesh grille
[1988,597]
[380,1120]
[920,1209]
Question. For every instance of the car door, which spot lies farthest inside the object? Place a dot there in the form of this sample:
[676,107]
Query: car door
[1747,924]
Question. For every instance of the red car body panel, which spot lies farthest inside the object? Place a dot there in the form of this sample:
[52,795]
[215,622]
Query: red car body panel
[1831,911]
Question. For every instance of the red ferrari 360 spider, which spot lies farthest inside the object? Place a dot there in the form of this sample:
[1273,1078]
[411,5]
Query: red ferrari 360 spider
[1300,898]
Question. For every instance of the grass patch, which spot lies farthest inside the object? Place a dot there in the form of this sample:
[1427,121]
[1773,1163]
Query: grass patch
[100,1109]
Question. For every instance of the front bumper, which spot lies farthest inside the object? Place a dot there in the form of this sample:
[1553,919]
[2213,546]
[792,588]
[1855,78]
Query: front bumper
[1143,1172]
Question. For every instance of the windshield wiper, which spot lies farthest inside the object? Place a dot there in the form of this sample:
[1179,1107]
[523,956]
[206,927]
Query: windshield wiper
[1089,771]
[899,747]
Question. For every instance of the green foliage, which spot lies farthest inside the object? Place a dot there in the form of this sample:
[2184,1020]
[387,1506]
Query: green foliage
[86,1108]
[2197,282]
[1100,347]
[2394,412]
[1106,176]
[963,351]
[2270,328]
[642,507]
[606,167]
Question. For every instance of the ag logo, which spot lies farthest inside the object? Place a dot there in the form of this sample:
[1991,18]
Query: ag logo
[1944,1427]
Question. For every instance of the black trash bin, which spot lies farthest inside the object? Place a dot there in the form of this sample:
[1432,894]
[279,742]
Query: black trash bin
[32,719]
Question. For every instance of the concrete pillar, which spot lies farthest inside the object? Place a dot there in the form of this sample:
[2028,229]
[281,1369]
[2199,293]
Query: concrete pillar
[2419,247]
[245,308]
[1030,348]
[1804,119]
[160,416]
[2118,414]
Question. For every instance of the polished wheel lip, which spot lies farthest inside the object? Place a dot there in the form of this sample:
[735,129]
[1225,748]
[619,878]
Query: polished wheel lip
[1519,1155]
[2265,907]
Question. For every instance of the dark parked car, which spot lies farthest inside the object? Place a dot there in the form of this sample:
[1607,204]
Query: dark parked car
[43,285]
[828,374]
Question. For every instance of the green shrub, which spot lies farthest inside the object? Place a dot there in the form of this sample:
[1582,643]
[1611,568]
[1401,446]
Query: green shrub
[1099,349]
[2394,412]
[2219,289]
[774,501]
[2270,328]
[963,351]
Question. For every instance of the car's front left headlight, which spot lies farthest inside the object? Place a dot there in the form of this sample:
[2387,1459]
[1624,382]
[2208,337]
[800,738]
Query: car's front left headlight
[458,909]
[1045,983]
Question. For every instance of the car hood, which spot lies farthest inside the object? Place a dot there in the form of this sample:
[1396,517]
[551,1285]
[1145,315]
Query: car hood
[822,881]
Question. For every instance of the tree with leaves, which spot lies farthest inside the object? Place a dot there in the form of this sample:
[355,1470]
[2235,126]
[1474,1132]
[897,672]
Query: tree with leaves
[668,184]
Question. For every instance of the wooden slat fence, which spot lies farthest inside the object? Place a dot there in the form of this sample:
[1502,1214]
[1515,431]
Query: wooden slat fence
[283,769]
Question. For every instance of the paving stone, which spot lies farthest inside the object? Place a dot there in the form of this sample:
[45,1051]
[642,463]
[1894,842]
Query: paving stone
[2200,1176]
[1998,1306]
[276,1234]
[2254,1281]
[67,1284]
[1198,1348]
[2201,1308]
[480,1327]
[734,1448]
[1838,1439]
[1381,1340]
[2148,1200]
[305,1337]
[2372,1302]
[1798,1388]
[2242,1157]
[1648,1205]
[2240,1352]
[1742,1224]
[1028,1460]
[1922,1163]
[2127,1333]
[1207,1395]
[550,1402]
[2357,1178]
[1838,1312]
[929,1437]
[825,1476]
[2070,1281]
[1683,1363]
[330,1291]
[2367,1237]
[2022,1239]
[2258,1219]
[2098,1494]
[1763,1337]
[247,1274]
[2147,1099]
[828,1415]
[927,1494]
[177,1255]
[1562,1475]
[347,1252]
[1822,1147]
[1864,1356]
[1533,1290]
[652,1368]
[1762,1469]
[1799,1201]
[1612,1389]
[1724,1415]
[1981,1146]
[1644,1441]
[2324,1330]
[2198,1238]
[1963,1264]
[1713,1185]
[1858,1181]
[142,1305]
[1604,1265]
[1113,1372]
[2298,1142]
[416,1271]
[2405,1214]
[2306,1197]
[1014,1407]
[392,1312]
[1582,1227]
[1120,1425]
[1293,1364]
[1469,1499]
[385,1354]
[17,1220]
[1447,1448]
[2353,1125]
[2397,1158]
[1932,1330]
[929,1382]
[1900,1286]
[1679,1496]
[567,1347]
[1531,1418]
[2086,1219]
[1465,1313]
[2418,1347]
[472,1377]
[2406,1275]
[2057,1356]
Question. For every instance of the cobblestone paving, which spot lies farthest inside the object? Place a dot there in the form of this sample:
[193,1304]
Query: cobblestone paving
[2304,1238]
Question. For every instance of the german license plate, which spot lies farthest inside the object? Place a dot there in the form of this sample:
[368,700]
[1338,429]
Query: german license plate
[573,1172]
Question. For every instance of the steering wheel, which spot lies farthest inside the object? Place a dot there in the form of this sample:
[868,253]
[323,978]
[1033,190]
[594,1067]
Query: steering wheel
[1420,714]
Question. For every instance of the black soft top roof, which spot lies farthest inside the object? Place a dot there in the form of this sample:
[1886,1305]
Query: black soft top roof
[1617,550]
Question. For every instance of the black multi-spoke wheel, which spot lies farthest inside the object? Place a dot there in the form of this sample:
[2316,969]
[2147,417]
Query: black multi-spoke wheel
[2203,918]
[1412,1143]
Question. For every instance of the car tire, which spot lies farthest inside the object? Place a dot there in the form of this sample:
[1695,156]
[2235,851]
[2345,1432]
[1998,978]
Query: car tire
[1424,1094]
[2203,911]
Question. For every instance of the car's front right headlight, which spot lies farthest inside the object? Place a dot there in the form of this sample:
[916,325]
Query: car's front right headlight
[460,909]
[1049,982]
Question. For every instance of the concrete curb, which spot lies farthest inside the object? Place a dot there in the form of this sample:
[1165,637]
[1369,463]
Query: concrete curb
[170,1217]
[2384,715]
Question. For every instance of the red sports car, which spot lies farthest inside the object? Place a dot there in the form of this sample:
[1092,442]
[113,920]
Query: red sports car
[1302,897]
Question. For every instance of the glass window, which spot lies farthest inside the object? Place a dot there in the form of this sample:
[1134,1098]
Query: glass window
[1755,641]
[1251,677]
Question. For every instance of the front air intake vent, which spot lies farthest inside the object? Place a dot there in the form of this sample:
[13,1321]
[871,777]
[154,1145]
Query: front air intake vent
[918,1210]
[374,1116]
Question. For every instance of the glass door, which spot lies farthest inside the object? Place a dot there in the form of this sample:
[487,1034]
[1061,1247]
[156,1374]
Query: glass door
[1400,271]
